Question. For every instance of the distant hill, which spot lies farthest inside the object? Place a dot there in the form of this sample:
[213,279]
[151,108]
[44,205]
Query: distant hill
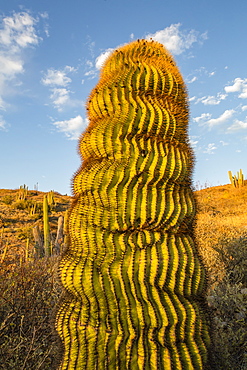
[19,216]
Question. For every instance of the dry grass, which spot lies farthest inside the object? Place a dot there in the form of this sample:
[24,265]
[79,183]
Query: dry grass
[221,234]
[29,287]
[30,290]
[28,295]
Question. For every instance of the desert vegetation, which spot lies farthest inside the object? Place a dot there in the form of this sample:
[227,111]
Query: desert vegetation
[29,284]
[221,234]
[30,287]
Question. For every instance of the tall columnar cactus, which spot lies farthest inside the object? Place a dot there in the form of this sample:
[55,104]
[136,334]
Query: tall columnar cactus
[50,198]
[23,192]
[47,241]
[133,276]
[238,180]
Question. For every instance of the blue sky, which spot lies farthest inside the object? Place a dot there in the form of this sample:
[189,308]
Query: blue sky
[50,57]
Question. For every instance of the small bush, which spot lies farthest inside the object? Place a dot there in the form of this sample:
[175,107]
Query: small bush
[28,295]
[24,233]
[7,199]
[229,304]
[21,204]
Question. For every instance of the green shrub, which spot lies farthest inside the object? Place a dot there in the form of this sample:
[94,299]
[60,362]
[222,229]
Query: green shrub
[21,204]
[7,199]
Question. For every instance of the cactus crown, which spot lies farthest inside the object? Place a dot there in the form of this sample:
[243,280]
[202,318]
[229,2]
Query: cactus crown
[141,92]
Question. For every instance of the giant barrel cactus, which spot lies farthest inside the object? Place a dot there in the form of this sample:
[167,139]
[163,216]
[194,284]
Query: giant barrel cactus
[132,274]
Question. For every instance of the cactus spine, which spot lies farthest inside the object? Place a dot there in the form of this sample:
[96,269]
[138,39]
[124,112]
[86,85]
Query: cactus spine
[132,272]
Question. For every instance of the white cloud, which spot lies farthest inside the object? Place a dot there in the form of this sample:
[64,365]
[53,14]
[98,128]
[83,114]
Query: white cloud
[192,98]
[198,74]
[55,77]
[240,86]
[2,123]
[238,125]
[192,80]
[235,87]
[208,100]
[92,73]
[193,142]
[175,40]
[100,60]
[223,143]
[202,118]
[224,117]
[205,118]
[211,100]
[59,97]
[244,107]
[89,63]
[58,81]
[72,127]
[10,66]
[17,32]
[98,63]
[44,16]
[2,104]
[210,148]
[243,94]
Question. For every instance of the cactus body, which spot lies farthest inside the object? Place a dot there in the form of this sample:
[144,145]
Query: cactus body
[47,241]
[23,192]
[132,270]
[50,198]
[238,180]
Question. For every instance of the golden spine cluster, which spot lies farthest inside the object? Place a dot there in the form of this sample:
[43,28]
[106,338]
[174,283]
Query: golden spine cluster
[132,272]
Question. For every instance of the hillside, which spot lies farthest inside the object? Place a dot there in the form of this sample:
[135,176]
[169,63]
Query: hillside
[18,217]
[221,224]
[30,289]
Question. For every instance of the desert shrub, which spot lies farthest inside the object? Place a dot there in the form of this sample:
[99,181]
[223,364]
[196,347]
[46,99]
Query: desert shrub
[27,205]
[28,295]
[222,242]
[7,199]
[229,326]
[228,303]
[24,233]
[1,221]
[22,204]
[39,208]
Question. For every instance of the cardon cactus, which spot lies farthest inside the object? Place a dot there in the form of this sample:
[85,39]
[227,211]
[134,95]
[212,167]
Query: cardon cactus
[47,241]
[133,277]
[238,180]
